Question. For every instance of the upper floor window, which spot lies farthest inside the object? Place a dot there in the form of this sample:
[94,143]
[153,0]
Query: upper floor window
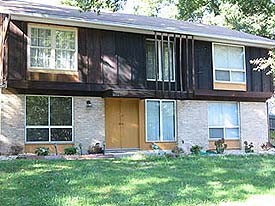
[163,59]
[229,63]
[52,47]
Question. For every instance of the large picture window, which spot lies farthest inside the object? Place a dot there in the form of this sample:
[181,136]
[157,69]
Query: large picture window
[160,120]
[151,61]
[49,119]
[52,48]
[223,120]
[229,63]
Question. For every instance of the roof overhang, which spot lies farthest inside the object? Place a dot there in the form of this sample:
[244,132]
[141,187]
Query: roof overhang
[50,19]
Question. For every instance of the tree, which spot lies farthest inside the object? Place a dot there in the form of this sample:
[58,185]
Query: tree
[254,17]
[95,5]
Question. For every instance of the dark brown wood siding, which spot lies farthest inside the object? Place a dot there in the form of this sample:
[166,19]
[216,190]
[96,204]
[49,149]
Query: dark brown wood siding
[115,62]
[17,56]
[203,65]
[257,81]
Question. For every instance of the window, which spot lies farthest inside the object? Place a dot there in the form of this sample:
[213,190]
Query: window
[160,120]
[223,120]
[48,119]
[151,60]
[229,63]
[52,48]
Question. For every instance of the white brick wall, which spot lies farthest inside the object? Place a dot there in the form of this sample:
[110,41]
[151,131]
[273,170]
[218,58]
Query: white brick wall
[192,122]
[89,121]
[12,120]
[254,125]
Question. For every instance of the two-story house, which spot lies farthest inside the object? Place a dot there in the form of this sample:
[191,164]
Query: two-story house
[70,77]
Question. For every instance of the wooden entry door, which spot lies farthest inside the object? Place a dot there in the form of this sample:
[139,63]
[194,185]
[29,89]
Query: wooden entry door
[122,123]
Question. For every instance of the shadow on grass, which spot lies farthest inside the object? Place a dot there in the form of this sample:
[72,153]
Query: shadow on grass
[157,181]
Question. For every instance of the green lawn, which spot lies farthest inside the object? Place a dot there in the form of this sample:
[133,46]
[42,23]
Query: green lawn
[152,181]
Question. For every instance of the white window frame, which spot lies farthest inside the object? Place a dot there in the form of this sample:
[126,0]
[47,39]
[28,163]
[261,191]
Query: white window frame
[53,48]
[173,69]
[224,127]
[228,69]
[49,124]
[160,120]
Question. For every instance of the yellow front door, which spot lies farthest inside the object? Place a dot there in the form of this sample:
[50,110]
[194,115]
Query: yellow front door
[122,123]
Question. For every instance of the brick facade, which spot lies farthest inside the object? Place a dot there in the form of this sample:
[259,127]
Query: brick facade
[12,121]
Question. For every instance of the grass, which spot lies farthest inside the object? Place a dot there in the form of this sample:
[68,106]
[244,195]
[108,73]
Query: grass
[149,181]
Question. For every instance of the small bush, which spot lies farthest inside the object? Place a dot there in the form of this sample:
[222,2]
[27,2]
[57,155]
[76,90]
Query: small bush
[195,149]
[42,151]
[248,148]
[220,146]
[70,151]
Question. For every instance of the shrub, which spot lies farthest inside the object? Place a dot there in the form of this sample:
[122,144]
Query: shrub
[42,151]
[220,146]
[195,149]
[70,151]
[248,148]
[95,149]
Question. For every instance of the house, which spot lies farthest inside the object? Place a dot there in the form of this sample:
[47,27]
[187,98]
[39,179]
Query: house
[127,81]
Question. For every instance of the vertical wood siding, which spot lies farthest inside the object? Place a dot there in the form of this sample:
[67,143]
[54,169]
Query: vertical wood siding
[119,58]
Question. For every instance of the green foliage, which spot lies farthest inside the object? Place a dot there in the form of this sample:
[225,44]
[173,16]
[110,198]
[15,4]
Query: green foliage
[95,5]
[70,151]
[264,63]
[220,146]
[195,149]
[42,151]
[256,17]
[248,148]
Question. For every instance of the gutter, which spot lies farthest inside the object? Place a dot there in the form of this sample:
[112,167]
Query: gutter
[38,18]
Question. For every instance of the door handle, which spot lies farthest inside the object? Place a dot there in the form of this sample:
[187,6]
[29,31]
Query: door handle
[120,123]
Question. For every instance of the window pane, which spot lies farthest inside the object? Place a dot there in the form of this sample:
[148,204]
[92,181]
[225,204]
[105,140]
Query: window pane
[237,76]
[40,37]
[220,56]
[153,120]
[64,59]
[165,62]
[61,134]
[61,111]
[36,110]
[235,57]
[215,114]
[232,133]
[216,133]
[150,59]
[40,57]
[37,134]
[168,121]
[222,75]
[65,39]
[230,114]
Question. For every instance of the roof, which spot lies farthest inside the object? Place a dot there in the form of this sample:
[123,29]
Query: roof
[36,12]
